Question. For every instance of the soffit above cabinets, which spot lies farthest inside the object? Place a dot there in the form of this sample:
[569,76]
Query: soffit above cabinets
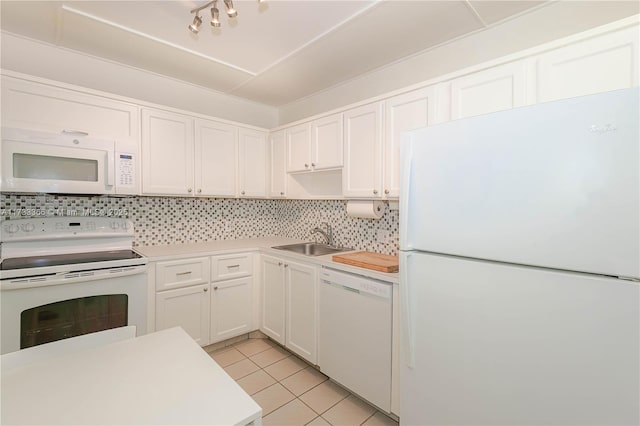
[273,53]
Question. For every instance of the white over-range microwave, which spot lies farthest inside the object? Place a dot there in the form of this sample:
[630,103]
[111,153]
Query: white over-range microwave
[66,163]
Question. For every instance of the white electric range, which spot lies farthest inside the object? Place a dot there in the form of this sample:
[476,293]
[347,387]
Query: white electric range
[67,276]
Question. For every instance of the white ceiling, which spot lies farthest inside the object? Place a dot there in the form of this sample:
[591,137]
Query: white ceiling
[273,53]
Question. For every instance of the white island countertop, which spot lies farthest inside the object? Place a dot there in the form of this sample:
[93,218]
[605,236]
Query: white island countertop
[263,245]
[159,378]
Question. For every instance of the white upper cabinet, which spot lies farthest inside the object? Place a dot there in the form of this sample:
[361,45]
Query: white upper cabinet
[326,142]
[316,145]
[403,113]
[167,153]
[600,64]
[30,105]
[216,158]
[277,164]
[299,148]
[494,89]
[253,164]
[362,174]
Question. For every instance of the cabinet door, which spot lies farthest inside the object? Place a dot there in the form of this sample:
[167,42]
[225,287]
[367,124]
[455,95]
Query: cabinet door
[326,142]
[30,105]
[216,159]
[494,89]
[299,148]
[167,153]
[362,173]
[273,298]
[277,169]
[403,113]
[231,308]
[599,64]
[188,308]
[302,310]
[253,163]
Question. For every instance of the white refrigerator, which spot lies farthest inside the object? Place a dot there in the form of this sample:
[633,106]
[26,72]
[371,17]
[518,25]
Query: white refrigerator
[520,267]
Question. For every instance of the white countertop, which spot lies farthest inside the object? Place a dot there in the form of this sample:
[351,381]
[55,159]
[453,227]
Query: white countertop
[158,378]
[263,245]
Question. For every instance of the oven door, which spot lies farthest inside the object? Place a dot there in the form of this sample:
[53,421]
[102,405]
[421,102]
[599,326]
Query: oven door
[37,162]
[33,314]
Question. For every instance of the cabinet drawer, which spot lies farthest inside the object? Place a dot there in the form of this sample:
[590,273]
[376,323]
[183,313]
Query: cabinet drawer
[231,266]
[182,273]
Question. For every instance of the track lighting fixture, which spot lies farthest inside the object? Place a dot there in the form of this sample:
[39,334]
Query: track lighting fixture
[215,14]
[195,25]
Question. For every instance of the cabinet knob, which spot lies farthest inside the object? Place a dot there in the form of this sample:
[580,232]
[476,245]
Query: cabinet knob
[386,191]
[313,164]
[281,193]
[375,191]
[189,190]
[242,193]
[306,165]
[199,191]
[215,288]
[279,263]
[286,265]
[206,289]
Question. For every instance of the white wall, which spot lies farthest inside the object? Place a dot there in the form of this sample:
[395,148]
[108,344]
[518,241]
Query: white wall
[43,60]
[545,24]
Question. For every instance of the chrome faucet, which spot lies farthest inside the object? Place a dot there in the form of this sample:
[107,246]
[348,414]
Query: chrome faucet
[327,235]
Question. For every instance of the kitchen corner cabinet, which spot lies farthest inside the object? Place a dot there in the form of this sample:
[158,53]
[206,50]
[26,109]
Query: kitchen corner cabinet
[362,173]
[253,164]
[316,145]
[289,305]
[277,164]
[403,113]
[494,89]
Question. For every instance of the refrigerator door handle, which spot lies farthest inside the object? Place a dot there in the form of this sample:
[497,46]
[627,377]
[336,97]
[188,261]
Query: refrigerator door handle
[406,153]
[407,335]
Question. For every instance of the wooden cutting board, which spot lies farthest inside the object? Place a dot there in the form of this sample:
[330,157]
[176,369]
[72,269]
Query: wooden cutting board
[366,259]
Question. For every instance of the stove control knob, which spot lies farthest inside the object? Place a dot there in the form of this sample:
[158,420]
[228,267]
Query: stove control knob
[11,228]
[28,227]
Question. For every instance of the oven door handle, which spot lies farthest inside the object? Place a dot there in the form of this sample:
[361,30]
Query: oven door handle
[70,277]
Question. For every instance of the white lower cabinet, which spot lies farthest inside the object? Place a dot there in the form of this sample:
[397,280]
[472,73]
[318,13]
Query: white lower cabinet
[289,305]
[230,308]
[273,298]
[210,297]
[302,309]
[187,307]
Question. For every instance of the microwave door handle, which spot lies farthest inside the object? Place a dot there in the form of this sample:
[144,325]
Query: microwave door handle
[111,168]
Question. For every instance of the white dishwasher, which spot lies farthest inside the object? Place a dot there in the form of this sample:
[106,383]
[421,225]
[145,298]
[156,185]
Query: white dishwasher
[354,342]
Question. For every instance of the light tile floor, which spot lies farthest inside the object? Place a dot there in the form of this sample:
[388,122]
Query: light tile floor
[290,391]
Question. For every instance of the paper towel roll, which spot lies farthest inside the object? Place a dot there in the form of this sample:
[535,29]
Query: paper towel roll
[365,208]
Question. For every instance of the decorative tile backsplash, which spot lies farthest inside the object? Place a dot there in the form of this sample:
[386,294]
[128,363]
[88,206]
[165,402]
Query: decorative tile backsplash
[175,220]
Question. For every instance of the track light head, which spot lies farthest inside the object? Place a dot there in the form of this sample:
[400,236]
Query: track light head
[215,14]
[231,11]
[195,25]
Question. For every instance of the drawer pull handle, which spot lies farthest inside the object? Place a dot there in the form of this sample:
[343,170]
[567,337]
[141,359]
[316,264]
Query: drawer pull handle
[184,273]
[206,289]
[74,132]
[233,266]
[215,288]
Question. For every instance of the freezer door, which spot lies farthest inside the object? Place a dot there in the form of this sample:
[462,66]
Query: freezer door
[554,185]
[492,344]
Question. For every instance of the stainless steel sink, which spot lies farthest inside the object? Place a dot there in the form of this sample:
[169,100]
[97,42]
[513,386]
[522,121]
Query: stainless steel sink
[311,249]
